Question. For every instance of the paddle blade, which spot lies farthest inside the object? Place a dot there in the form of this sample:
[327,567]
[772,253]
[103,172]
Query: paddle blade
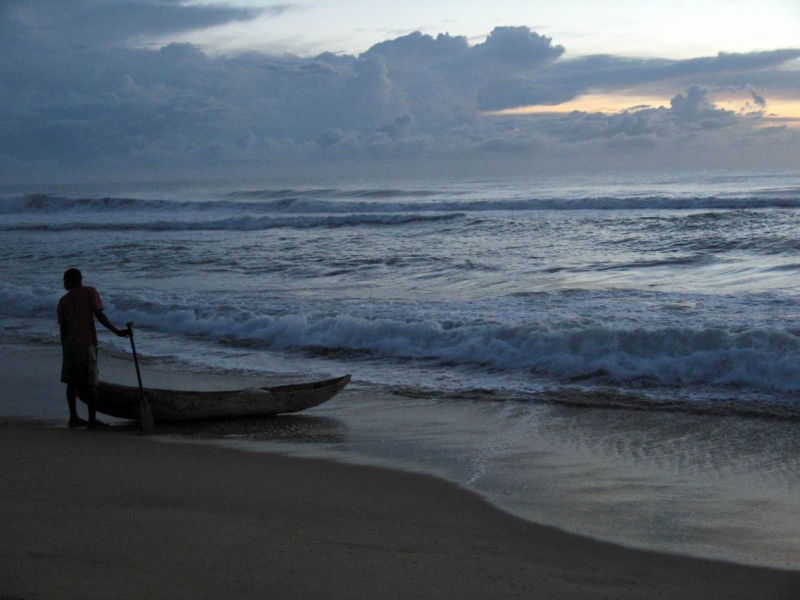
[146,415]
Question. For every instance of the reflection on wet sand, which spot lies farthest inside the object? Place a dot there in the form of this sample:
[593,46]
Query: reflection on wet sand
[307,429]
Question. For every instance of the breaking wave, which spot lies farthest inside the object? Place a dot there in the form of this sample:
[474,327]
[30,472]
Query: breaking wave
[382,201]
[758,359]
[325,208]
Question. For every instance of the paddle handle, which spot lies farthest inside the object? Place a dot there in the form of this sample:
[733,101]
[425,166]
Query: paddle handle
[146,415]
[135,358]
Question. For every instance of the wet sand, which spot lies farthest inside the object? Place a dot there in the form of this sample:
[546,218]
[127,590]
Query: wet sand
[112,514]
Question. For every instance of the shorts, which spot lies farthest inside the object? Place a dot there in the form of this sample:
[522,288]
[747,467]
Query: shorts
[79,365]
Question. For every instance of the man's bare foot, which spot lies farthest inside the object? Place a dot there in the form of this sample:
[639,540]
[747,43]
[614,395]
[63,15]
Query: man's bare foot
[77,422]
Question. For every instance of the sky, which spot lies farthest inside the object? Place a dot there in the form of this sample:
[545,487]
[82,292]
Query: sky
[161,89]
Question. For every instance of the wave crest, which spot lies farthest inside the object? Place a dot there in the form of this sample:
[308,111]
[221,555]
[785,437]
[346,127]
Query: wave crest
[763,359]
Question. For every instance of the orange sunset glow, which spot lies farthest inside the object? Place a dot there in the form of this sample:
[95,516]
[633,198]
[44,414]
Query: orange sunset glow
[778,111]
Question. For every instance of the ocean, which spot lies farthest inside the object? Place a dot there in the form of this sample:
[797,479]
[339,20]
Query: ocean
[613,355]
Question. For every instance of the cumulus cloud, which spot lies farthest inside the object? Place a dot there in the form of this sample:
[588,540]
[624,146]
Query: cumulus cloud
[100,104]
[689,114]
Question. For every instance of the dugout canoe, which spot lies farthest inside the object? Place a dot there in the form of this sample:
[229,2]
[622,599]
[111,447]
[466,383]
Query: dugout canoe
[124,402]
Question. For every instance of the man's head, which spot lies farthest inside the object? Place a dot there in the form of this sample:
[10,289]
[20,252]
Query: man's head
[72,279]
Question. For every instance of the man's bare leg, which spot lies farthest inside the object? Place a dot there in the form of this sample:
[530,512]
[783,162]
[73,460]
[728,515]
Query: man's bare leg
[74,419]
[91,402]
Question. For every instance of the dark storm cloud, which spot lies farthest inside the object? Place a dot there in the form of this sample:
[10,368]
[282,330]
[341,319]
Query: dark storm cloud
[566,80]
[89,21]
[611,71]
[71,99]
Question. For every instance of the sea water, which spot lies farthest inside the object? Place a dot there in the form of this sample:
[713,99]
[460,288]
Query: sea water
[617,356]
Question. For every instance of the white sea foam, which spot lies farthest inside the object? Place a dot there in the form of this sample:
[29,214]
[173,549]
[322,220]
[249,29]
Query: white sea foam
[387,201]
[757,359]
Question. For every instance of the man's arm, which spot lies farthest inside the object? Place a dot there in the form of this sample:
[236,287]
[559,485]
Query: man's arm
[101,316]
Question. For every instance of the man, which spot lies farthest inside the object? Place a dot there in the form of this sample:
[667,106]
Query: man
[77,311]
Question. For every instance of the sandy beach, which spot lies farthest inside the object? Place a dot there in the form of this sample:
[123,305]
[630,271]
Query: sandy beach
[113,514]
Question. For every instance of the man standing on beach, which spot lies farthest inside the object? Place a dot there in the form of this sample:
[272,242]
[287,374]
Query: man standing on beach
[77,311]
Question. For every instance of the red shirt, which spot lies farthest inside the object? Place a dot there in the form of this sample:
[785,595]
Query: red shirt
[76,315]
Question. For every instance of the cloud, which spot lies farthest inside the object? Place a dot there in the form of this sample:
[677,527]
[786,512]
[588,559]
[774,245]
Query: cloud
[688,115]
[519,46]
[445,67]
[90,22]
[71,102]
[758,98]
[570,78]
[696,107]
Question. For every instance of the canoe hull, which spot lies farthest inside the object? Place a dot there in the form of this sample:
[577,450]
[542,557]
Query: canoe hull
[124,402]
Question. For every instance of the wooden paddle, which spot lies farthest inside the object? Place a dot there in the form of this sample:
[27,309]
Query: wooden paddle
[146,415]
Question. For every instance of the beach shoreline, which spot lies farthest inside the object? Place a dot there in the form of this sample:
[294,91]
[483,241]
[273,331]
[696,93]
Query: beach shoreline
[113,514]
